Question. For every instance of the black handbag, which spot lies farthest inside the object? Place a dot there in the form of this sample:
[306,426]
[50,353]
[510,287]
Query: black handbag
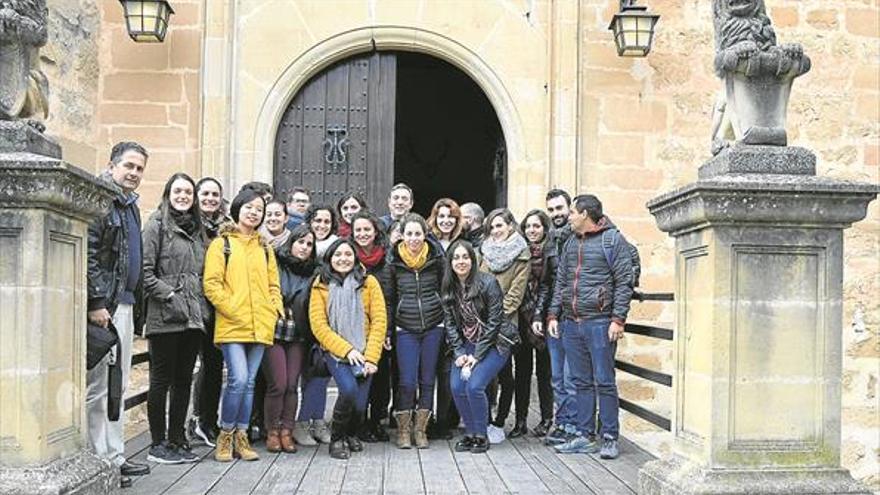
[317,367]
[99,341]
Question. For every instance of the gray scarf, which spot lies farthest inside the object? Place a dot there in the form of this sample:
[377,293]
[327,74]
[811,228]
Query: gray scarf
[500,255]
[346,312]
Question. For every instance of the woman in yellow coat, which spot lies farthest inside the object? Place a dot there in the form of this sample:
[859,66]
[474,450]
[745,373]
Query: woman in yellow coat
[241,281]
[348,319]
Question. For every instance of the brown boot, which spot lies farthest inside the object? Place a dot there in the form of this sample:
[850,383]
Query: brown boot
[224,447]
[273,441]
[419,435]
[287,443]
[242,447]
[404,429]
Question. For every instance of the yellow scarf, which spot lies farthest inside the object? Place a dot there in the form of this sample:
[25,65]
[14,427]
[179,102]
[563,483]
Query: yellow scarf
[416,262]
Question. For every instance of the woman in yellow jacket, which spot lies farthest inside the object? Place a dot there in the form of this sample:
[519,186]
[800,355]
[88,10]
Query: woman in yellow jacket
[348,319]
[241,281]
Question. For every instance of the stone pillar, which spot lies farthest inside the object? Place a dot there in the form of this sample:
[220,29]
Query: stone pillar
[45,208]
[759,279]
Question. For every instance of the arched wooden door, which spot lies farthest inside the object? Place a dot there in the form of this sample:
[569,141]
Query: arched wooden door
[337,134]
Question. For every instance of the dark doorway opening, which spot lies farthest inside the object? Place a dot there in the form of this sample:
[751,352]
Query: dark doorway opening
[448,141]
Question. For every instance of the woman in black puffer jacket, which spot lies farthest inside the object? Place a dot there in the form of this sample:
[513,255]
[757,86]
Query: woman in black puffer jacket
[284,360]
[417,271]
[369,237]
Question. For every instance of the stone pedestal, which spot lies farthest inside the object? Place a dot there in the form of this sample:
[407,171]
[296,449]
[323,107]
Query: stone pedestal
[759,275]
[45,207]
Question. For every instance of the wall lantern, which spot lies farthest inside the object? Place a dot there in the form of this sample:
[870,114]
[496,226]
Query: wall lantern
[147,20]
[633,29]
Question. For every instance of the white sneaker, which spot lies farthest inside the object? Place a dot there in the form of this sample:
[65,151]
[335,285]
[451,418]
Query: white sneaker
[495,434]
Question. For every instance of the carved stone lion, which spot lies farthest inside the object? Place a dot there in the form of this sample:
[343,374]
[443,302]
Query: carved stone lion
[24,88]
[757,73]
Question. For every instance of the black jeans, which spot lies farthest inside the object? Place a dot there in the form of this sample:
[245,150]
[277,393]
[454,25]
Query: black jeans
[209,380]
[172,359]
[516,379]
[446,414]
[380,390]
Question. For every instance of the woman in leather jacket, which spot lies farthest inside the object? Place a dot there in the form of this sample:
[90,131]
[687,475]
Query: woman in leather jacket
[479,336]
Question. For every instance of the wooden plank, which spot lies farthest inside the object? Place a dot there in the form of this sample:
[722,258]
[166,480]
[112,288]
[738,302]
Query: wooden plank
[162,476]
[553,473]
[325,474]
[439,469]
[403,472]
[201,478]
[594,474]
[517,474]
[626,467]
[138,444]
[479,474]
[361,475]
[286,474]
[243,476]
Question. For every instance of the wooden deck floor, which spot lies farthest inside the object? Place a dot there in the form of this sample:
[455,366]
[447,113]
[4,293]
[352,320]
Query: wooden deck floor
[522,465]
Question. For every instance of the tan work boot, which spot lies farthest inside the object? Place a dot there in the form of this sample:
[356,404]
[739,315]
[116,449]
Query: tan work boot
[404,429]
[224,447]
[419,435]
[287,443]
[242,447]
[273,441]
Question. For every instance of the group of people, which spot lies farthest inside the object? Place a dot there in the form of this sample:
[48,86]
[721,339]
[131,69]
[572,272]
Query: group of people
[423,324]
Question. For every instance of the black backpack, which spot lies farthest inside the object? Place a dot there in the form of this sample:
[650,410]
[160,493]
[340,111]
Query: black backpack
[610,238]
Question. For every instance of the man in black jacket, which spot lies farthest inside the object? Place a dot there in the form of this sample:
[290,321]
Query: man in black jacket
[591,300]
[115,279]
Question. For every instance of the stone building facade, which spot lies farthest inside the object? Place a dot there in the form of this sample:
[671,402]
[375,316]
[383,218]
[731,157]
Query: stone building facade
[209,100]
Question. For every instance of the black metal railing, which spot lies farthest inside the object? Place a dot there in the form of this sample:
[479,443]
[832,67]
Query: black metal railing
[647,373]
[140,397]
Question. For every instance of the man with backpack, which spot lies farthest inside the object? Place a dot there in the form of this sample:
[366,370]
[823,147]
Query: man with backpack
[591,300]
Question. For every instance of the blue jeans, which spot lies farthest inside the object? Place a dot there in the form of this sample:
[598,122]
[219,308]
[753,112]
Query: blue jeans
[560,379]
[417,354]
[242,364]
[591,363]
[470,396]
[353,392]
[314,398]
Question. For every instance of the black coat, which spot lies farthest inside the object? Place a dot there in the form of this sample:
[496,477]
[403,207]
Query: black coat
[383,273]
[295,277]
[108,258]
[489,304]
[545,286]
[416,294]
[173,263]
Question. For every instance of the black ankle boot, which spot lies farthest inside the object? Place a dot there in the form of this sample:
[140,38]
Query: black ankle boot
[465,444]
[354,427]
[480,445]
[519,429]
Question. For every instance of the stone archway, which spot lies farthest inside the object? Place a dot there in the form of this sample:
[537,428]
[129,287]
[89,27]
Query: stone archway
[367,39]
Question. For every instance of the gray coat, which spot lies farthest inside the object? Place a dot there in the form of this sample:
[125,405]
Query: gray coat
[173,261]
[586,287]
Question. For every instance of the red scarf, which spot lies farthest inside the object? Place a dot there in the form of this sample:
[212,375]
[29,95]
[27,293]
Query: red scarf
[372,258]
[344,229]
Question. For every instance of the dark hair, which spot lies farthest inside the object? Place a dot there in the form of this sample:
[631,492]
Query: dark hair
[299,189]
[555,193]
[377,226]
[401,185]
[298,233]
[121,147]
[313,211]
[165,203]
[352,195]
[326,271]
[260,188]
[454,211]
[451,283]
[203,180]
[505,215]
[244,197]
[410,218]
[276,201]
[542,217]
[590,204]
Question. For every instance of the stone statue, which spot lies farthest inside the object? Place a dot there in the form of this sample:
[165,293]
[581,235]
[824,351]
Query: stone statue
[757,75]
[24,89]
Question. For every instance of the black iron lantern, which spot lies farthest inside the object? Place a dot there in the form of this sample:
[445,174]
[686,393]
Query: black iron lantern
[633,29]
[147,20]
